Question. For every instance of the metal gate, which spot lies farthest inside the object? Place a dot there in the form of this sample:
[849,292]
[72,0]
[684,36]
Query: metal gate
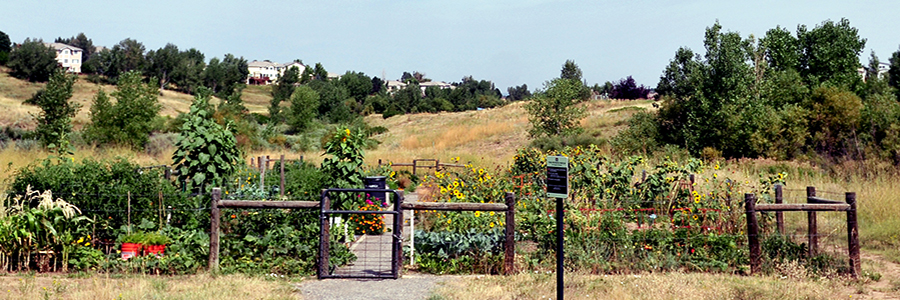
[377,256]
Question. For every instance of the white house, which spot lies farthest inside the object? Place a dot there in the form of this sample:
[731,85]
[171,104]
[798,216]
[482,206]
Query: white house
[69,57]
[266,72]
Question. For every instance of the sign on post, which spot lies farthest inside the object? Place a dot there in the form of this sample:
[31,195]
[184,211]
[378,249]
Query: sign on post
[557,177]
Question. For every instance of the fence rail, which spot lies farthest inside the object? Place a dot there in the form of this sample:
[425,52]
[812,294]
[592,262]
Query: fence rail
[813,205]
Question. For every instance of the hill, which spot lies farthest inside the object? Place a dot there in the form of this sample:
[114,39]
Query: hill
[13,92]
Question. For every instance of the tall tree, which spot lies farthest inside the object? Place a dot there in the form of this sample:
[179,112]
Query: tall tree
[128,121]
[33,61]
[894,72]
[782,49]
[188,73]
[227,76]
[55,119]
[570,71]
[281,92]
[304,105]
[162,63]
[680,78]
[517,93]
[553,112]
[320,73]
[830,54]
[377,85]
[5,47]
[358,84]
[131,53]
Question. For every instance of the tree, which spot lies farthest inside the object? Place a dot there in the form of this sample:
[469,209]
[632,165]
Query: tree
[553,113]
[570,71]
[377,85]
[188,72]
[5,47]
[830,54]
[162,63]
[782,49]
[628,89]
[55,119]
[128,121]
[226,76]
[131,55]
[332,99]
[358,84]
[681,76]
[319,72]
[306,77]
[894,72]
[206,152]
[33,61]
[282,91]
[304,106]
[517,93]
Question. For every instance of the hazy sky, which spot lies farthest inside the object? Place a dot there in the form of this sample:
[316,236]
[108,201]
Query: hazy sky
[510,42]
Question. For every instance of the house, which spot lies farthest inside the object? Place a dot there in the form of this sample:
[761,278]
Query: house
[266,72]
[883,69]
[262,72]
[69,57]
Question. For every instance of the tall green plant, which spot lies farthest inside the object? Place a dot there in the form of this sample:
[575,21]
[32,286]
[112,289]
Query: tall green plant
[207,152]
[55,119]
[343,168]
[128,121]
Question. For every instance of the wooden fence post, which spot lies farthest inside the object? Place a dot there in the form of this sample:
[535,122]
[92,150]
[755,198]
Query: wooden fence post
[325,239]
[779,215]
[262,172]
[214,230]
[281,190]
[509,259]
[853,236]
[812,228]
[752,232]
[398,246]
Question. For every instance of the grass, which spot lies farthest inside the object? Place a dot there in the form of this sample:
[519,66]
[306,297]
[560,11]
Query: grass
[644,286]
[101,286]
[13,92]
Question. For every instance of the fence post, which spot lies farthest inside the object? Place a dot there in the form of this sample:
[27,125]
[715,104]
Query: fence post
[853,236]
[262,172]
[281,190]
[325,238]
[214,230]
[752,232]
[779,215]
[398,235]
[812,228]
[509,259]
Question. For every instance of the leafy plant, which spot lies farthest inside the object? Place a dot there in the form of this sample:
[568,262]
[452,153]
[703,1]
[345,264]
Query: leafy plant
[207,153]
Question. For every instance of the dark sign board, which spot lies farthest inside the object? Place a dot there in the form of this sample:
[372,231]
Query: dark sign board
[557,176]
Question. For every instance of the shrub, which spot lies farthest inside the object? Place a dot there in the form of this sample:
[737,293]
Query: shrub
[33,61]
[129,121]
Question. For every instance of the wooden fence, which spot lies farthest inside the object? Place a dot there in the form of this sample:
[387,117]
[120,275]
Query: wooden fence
[814,204]
[509,208]
[429,163]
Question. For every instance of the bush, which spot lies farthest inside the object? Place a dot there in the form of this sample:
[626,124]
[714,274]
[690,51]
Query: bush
[129,121]
[33,61]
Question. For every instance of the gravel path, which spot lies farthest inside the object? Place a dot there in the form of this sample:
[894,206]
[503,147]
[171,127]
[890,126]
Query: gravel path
[409,286]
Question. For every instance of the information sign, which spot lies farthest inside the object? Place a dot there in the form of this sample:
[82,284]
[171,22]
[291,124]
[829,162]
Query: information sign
[557,177]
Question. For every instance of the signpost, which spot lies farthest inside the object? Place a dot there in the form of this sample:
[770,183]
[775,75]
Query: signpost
[558,187]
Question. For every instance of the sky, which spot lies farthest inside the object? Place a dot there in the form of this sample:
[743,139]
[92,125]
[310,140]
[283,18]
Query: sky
[510,42]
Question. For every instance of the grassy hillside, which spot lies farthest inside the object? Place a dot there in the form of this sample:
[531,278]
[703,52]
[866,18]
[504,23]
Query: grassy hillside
[14,91]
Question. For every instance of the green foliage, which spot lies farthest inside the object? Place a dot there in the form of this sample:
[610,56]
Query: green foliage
[343,168]
[834,115]
[304,105]
[553,112]
[5,48]
[55,119]
[129,121]
[224,77]
[641,136]
[830,54]
[35,222]
[444,252]
[33,61]
[207,152]
[282,91]
[367,223]
[161,64]
[570,71]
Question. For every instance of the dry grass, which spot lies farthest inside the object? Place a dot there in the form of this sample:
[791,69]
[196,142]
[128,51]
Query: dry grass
[101,286]
[646,286]
[14,91]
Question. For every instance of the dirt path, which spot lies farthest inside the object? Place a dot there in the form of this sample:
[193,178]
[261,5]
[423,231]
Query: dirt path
[886,287]
[410,286]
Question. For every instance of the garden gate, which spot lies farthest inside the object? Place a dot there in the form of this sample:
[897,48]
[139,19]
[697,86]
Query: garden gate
[378,256]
